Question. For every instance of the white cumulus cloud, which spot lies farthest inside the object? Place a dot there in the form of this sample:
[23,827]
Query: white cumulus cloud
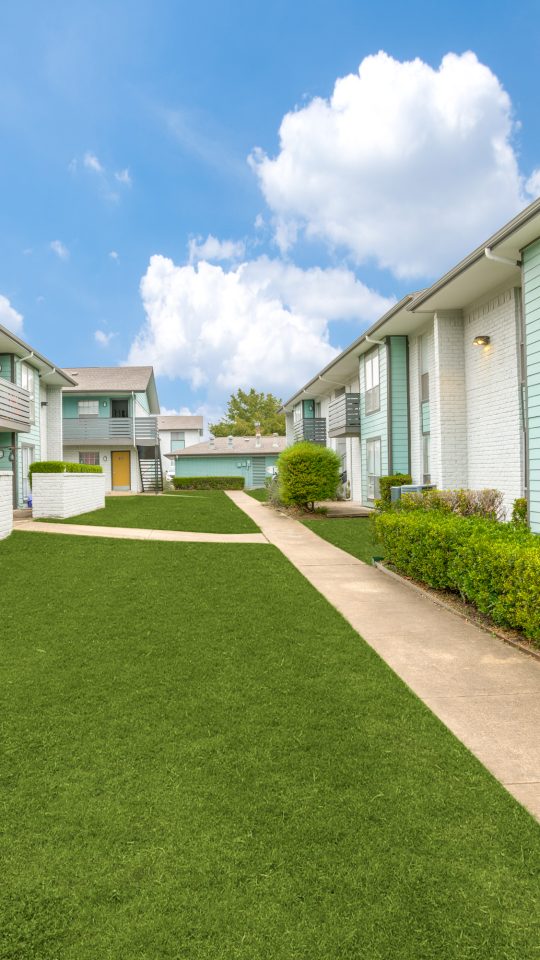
[59,249]
[123,176]
[404,164]
[214,249]
[91,162]
[262,323]
[9,317]
[103,338]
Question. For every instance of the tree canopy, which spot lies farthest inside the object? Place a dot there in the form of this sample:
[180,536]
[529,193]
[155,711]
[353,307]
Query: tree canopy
[244,410]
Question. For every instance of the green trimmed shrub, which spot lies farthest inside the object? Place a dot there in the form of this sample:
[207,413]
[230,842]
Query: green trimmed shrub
[495,566]
[386,484]
[208,483]
[61,466]
[519,510]
[308,472]
[487,503]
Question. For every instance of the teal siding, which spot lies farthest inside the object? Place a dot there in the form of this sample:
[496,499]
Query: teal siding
[252,468]
[70,407]
[213,466]
[5,441]
[374,424]
[399,398]
[142,401]
[5,366]
[531,298]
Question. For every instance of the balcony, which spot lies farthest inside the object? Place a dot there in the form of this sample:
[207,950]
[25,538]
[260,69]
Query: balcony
[311,428]
[15,407]
[344,416]
[116,431]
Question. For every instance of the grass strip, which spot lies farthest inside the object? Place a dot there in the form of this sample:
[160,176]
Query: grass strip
[202,759]
[207,511]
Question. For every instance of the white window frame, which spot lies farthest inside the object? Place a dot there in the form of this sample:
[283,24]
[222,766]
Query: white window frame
[178,437]
[29,379]
[28,456]
[88,408]
[85,454]
[372,374]
[373,466]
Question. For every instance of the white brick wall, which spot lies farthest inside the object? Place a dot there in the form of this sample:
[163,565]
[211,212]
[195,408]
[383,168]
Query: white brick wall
[54,425]
[414,412]
[71,455]
[415,416]
[494,435]
[448,403]
[6,504]
[66,494]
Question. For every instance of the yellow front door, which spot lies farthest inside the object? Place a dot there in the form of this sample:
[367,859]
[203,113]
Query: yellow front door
[121,473]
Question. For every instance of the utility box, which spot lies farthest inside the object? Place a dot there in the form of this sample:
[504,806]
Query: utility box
[397,492]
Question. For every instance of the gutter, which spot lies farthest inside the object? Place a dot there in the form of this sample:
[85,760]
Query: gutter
[521,220]
[364,338]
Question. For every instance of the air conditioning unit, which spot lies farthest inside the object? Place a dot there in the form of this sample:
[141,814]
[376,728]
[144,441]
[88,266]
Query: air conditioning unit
[396,492]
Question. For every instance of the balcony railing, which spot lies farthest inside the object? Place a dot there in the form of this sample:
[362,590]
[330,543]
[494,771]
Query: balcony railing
[15,407]
[344,416]
[110,430]
[311,428]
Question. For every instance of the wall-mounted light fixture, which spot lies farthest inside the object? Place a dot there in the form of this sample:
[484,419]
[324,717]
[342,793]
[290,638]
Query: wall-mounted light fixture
[11,456]
[482,341]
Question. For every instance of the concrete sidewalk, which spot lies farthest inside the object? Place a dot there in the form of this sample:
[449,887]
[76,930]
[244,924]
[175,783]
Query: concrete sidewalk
[137,533]
[487,693]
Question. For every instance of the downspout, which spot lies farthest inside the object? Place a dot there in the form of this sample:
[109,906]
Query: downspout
[506,260]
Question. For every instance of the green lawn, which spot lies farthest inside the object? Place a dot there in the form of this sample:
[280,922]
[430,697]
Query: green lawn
[209,511]
[260,494]
[202,760]
[353,534]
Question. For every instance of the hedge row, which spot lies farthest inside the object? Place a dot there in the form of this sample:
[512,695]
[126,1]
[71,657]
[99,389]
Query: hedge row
[208,483]
[495,566]
[61,466]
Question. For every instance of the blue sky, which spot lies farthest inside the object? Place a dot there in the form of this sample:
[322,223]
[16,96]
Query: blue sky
[126,130]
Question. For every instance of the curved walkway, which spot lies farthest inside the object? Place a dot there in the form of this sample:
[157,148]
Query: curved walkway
[137,533]
[487,693]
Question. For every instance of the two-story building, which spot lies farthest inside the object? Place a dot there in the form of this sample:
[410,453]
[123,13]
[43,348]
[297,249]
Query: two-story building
[30,411]
[446,385]
[110,418]
[177,433]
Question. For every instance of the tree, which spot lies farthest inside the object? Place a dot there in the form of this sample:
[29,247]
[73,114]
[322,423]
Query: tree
[244,410]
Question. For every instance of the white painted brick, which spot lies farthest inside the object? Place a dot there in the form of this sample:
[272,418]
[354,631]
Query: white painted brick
[6,504]
[66,495]
[53,449]
[494,434]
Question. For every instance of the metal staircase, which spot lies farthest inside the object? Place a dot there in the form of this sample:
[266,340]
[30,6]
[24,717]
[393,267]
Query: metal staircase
[150,468]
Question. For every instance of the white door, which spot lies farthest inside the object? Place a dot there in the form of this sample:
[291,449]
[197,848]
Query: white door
[373,467]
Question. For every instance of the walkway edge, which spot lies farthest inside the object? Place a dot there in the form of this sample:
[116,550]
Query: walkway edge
[137,533]
[485,692]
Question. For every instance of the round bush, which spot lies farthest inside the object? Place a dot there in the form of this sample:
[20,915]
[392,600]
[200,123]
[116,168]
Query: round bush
[308,472]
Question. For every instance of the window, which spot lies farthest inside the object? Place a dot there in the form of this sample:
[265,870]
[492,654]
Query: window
[373,392]
[28,381]
[88,408]
[373,450]
[27,457]
[89,457]
[178,440]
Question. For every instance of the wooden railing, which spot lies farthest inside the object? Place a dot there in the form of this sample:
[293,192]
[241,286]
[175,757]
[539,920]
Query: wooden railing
[15,407]
[344,415]
[121,430]
[311,428]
